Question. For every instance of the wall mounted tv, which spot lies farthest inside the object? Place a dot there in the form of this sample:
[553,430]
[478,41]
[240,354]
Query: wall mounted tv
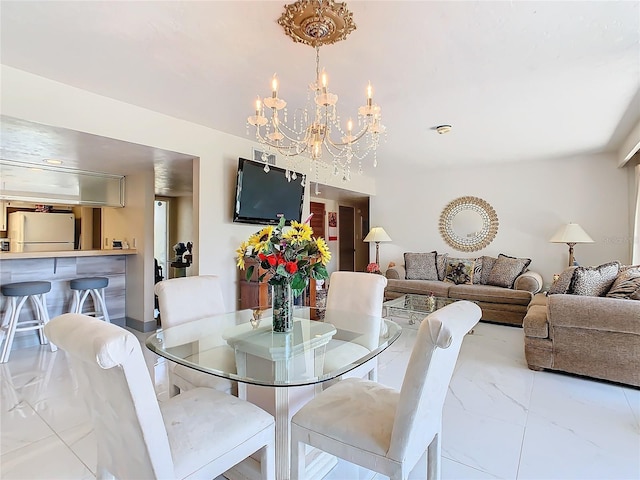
[261,197]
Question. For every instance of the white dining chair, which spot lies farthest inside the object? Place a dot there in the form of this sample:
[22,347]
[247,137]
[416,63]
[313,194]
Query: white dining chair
[186,299]
[362,294]
[200,433]
[379,428]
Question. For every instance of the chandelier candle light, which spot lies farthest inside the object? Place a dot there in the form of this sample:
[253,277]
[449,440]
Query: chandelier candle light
[316,129]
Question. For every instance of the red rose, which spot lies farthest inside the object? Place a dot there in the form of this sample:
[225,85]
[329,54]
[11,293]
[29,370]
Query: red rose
[291,267]
[262,257]
[272,260]
[281,261]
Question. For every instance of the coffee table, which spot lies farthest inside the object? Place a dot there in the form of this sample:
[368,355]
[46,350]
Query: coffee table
[414,306]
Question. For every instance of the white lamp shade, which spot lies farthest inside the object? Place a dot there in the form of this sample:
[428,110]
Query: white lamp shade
[377,234]
[571,233]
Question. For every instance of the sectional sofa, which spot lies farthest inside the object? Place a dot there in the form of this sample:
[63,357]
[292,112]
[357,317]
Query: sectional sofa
[592,330]
[503,299]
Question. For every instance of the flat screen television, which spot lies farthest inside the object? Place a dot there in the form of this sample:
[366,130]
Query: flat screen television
[261,197]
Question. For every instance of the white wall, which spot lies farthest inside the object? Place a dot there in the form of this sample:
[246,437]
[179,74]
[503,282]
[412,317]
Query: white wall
[532,200]
[34,98]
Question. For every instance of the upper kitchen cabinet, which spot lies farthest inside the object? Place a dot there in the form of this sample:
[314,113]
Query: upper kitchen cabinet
[55,185]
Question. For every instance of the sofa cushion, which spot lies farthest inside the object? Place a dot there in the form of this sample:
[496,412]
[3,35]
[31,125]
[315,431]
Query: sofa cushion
[487,266]
[459,271]
[535,322]
[490,294]
[561,285]
[593,281]
[421,287]
[421,266]
[506,269]
[441,265]
[626,284]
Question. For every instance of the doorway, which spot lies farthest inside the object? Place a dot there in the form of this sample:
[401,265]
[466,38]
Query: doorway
[346,239]
[161,235]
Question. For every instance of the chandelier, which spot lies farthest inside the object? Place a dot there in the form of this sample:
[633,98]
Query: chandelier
[315,131]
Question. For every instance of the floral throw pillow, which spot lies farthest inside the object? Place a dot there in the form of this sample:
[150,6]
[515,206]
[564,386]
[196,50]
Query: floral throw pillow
[460,271]
[420,266]
[506,270]
[594,281]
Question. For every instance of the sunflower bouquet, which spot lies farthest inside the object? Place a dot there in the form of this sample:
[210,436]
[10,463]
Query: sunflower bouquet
[289,255]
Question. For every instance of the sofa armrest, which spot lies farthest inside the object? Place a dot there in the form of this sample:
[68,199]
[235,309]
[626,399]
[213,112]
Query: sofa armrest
[530,281]
[396,273]
[595,313]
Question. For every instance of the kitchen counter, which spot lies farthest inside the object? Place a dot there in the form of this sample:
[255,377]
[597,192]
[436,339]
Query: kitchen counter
[65,254]
[59,268]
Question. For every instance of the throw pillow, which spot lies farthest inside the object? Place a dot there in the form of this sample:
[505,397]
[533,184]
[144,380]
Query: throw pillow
[420,266]
[477,270]
[506,270]
[594,281]
[626,284]
[460,271]
[561,285]
[487,266]
[441,265]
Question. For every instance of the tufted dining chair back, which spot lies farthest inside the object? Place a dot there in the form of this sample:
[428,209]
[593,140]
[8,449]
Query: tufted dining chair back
[185,299]
[136,436]
[379,428]
[362,294]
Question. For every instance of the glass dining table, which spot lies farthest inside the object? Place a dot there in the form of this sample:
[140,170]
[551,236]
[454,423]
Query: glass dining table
[279,372]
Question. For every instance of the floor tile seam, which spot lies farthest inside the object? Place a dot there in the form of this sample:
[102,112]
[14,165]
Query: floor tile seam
[468,466]
[634,413]
[4,454]
[489,416]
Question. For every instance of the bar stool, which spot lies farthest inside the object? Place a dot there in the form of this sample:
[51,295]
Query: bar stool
[18,293]
[94,286]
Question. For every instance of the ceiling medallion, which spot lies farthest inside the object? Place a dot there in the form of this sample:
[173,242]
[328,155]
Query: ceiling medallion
[317,23]
[315,131]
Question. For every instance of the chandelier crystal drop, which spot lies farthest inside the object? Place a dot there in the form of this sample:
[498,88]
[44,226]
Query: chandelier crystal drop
[315,132]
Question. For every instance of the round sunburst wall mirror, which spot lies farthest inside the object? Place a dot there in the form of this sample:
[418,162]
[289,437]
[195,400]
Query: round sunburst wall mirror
[468,224]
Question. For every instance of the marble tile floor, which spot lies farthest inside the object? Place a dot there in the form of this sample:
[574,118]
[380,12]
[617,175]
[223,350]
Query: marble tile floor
[500,419]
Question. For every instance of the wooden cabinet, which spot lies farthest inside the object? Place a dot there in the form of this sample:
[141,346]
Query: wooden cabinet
[255,293]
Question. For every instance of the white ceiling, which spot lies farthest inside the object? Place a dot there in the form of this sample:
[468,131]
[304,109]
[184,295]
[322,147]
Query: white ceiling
[518,80]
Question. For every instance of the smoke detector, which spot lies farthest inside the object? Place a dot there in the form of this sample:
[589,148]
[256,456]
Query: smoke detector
[442,129]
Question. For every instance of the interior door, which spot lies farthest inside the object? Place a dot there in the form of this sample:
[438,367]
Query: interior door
[317,221]
[346,241]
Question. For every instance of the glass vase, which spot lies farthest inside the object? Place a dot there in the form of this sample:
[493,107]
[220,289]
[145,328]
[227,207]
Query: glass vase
[282,301]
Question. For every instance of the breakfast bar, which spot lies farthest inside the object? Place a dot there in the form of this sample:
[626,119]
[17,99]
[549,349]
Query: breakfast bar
[61,267]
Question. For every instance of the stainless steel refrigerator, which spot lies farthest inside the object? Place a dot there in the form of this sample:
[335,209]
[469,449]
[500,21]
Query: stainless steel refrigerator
[41,232]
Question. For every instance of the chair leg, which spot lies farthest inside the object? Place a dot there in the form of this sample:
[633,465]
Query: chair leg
[76,302]
[99,300]
[434,452]
[39,311]
[43,314]
[268,462]
[11,327]
[298,460]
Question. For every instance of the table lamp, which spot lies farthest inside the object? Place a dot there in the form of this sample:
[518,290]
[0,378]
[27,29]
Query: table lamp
[377,235]
[571,234]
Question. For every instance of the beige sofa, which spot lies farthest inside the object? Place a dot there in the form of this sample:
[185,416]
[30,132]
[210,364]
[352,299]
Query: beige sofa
[498,304]
[594,336]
